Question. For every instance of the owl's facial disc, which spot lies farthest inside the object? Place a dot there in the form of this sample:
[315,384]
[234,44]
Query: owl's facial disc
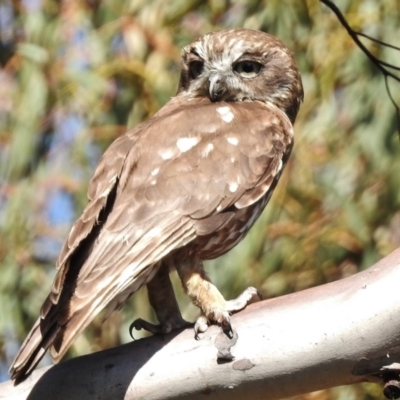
[241,65]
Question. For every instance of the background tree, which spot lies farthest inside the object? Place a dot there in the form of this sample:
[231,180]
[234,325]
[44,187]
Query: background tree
[74,73]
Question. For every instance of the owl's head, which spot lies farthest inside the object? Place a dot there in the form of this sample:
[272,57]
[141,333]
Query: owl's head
[242,65]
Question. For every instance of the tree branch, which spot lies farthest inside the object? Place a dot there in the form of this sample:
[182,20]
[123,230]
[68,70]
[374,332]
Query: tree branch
[354,35]
[380,64]
[335,334]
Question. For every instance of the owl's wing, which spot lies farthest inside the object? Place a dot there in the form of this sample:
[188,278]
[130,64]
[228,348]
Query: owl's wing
[81,239]
[154,192]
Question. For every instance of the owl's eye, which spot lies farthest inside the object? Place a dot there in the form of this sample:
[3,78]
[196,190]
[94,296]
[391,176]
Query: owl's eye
[247,69]
[196,68]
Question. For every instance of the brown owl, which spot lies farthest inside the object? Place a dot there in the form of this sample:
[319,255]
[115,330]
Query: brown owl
[182,187]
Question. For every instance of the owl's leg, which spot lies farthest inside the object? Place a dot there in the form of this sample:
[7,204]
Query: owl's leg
[214,308]
[162,299]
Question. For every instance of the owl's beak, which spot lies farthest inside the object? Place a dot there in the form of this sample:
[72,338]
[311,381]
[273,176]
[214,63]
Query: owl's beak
[217,88]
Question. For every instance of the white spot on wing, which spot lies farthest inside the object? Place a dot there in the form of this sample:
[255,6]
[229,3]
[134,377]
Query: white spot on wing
[154,232]
[207,150]
[167,154]
[226,113]
[185,144]
[155,171]
[232,140]
[233,187]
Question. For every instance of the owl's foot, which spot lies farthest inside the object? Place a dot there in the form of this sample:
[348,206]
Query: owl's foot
[214,308]
[162,299]
[172,323]
[218,311]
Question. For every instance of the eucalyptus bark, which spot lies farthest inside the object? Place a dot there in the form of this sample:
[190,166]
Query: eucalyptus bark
[335,334]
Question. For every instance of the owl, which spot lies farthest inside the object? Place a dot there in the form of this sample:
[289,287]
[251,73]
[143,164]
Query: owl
[183,187]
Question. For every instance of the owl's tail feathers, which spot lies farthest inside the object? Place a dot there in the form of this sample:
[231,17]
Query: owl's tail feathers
[32,351]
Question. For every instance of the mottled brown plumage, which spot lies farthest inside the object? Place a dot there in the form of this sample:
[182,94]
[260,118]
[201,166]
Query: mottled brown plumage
[182,187]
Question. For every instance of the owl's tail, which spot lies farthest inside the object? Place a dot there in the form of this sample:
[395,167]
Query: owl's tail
[32,351]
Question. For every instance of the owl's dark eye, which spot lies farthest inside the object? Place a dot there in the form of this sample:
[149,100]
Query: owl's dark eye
[196,68]
[247,69]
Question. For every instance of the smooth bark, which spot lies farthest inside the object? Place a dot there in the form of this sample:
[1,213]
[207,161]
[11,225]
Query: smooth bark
[335,334]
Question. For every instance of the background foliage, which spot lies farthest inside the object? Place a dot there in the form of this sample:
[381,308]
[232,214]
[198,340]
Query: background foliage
[74,73]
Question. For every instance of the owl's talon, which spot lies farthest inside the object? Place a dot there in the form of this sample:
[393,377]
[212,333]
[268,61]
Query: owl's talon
[229,332]
[158,329]
[220,318]
[198,336]
[139,324]
[219,312]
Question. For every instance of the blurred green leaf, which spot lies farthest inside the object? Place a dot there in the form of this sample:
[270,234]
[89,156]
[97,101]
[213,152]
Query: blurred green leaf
[114,63]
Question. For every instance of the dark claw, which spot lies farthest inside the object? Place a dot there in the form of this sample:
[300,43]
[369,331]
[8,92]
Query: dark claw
[227,329]
[198,336]
[140,323]
[132,326]
[158,329]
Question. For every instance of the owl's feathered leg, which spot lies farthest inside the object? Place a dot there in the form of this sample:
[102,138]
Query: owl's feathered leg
[162,299]
[214,308]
